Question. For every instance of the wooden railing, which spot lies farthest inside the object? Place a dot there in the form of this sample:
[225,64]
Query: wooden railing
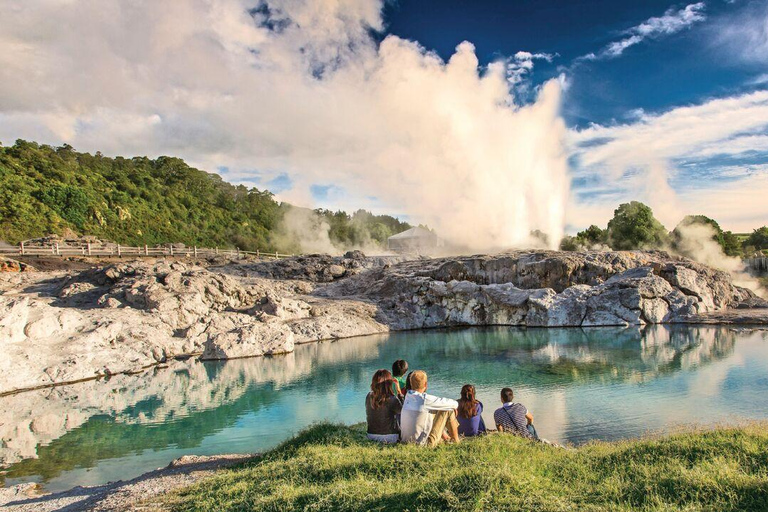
[120,251]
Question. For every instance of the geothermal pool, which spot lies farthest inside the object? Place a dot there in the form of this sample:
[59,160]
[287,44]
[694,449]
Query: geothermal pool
[581,384]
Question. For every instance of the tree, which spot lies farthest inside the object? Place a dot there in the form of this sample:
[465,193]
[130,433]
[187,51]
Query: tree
[758,239]
[592,236]
[731,244]
[633,226]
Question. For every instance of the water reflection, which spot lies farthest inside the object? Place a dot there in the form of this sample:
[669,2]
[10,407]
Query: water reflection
[581,384]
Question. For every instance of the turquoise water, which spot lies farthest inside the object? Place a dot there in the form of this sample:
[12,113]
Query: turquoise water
[580,384]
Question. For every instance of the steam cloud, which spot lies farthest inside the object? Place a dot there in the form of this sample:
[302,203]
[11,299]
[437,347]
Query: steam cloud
[296,87]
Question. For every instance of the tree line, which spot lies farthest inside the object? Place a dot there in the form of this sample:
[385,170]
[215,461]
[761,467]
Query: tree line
[633,226]
[139,200]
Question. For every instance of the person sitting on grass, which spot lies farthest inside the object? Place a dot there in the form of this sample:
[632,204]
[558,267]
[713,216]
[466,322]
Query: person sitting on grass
[469,413]
[425,417]
[399,369]
[381,408]
[514,417]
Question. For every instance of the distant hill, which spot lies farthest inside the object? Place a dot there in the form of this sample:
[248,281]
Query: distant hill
[137,201]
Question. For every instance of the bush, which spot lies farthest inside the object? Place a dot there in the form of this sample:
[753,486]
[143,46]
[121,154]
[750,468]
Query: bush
[633,226]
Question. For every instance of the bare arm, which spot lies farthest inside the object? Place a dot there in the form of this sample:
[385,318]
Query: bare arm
[529,417]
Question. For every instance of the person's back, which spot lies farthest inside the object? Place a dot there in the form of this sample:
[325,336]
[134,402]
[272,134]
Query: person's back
[418,422]
[470,412]
[381,409]
[513,417]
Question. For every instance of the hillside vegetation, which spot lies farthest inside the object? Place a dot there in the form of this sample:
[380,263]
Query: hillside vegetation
[137,201]
[331,467]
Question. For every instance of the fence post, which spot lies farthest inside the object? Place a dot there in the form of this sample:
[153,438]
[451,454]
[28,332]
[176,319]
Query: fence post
[119,253]
[53,248]
[238,252]
[22,248]
[257,253]
[217,250]
[171,249]
[146,250]
[89,248]
[277,256]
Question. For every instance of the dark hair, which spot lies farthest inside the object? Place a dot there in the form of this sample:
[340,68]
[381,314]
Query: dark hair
[408,382]
[507,395]
[381,388]
[399,367]
[467,403]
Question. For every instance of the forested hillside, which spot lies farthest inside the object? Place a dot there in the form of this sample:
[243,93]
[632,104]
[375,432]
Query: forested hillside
[137,201]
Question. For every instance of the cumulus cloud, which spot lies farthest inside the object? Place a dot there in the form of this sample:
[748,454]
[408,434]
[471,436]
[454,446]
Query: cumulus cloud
[642,157]
[671,22]
[297,88]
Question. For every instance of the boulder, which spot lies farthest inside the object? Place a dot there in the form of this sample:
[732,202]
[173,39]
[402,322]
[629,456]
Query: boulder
[250,340]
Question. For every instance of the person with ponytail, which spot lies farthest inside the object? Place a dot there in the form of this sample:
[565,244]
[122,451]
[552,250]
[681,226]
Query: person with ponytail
[382,408]
[470,412]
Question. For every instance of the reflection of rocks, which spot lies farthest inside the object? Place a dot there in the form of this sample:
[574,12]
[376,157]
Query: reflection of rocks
[38,417]
[636,355]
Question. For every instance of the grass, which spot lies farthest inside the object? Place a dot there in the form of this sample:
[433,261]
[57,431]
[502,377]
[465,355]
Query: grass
[333,467]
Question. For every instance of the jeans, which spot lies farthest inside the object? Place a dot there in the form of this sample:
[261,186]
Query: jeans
[532,431]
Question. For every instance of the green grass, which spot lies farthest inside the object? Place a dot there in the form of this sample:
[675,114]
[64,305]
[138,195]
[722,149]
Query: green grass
[333,467]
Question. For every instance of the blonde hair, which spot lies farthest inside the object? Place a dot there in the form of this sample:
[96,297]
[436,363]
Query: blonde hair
[418,379]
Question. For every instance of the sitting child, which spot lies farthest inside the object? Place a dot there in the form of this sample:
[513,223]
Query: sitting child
[399,369]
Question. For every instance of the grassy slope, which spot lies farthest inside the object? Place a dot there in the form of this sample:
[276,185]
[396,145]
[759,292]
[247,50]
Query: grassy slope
[331,467]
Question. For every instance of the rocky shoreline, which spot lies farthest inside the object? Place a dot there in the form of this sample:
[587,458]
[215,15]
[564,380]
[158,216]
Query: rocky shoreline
[65,326]
[134,494]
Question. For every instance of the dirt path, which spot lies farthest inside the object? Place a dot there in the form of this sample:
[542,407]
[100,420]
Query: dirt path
[131,495]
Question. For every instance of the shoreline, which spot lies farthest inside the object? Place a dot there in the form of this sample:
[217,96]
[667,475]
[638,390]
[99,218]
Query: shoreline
[121,495]
[149,490]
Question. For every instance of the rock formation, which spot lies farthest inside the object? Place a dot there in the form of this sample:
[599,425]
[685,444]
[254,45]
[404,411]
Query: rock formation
[57,327]
[543,288]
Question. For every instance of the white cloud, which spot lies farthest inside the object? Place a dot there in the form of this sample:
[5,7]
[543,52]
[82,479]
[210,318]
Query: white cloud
[641,157]
[743,36]
[671,22]
[291,86]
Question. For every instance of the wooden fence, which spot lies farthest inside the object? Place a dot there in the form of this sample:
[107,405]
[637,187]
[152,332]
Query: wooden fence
[120,251]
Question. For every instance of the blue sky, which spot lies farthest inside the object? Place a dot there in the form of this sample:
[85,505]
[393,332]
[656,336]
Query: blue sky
[484,119]
[657,74]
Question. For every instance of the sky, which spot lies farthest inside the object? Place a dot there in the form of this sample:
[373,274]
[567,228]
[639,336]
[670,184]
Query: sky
[485,119]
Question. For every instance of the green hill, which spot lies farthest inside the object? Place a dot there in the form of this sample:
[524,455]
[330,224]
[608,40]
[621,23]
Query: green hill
[331,467]
[137,201]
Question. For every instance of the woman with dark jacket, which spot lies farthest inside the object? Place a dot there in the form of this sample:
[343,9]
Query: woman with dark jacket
[381,408]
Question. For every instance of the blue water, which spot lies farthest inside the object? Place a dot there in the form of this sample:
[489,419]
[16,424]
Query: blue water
[580,384]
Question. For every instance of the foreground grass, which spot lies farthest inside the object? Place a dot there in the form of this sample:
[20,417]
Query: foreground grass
[333,467]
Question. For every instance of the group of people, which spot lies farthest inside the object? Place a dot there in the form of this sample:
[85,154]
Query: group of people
[399,409]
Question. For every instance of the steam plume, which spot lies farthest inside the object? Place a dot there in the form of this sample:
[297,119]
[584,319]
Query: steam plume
[266,87]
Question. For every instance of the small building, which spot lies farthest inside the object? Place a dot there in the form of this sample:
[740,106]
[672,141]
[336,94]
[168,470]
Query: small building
[418,240]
